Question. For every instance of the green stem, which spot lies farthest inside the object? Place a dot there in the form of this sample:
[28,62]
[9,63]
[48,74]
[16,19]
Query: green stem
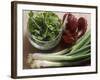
[35,23]
[81,42]
[84,48]
[61,52]
[81,53]
[49,57]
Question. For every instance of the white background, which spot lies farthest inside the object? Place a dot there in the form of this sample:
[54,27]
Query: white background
[5,41]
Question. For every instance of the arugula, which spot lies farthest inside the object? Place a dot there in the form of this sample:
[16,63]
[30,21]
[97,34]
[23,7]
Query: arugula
[45,26]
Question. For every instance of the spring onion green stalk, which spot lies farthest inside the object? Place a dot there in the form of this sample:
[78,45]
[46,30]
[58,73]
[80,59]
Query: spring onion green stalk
[84,48]
[48,57]
[61,52]
[81,42]
[81,53]
[66,51]
[88,42]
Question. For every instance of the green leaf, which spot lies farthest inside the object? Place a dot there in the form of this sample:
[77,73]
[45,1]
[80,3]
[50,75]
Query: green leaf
[31,14]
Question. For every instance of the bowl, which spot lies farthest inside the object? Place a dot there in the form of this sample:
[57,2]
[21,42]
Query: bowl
[44,29]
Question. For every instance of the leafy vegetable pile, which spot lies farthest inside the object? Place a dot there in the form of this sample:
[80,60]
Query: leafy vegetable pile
[44,26]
